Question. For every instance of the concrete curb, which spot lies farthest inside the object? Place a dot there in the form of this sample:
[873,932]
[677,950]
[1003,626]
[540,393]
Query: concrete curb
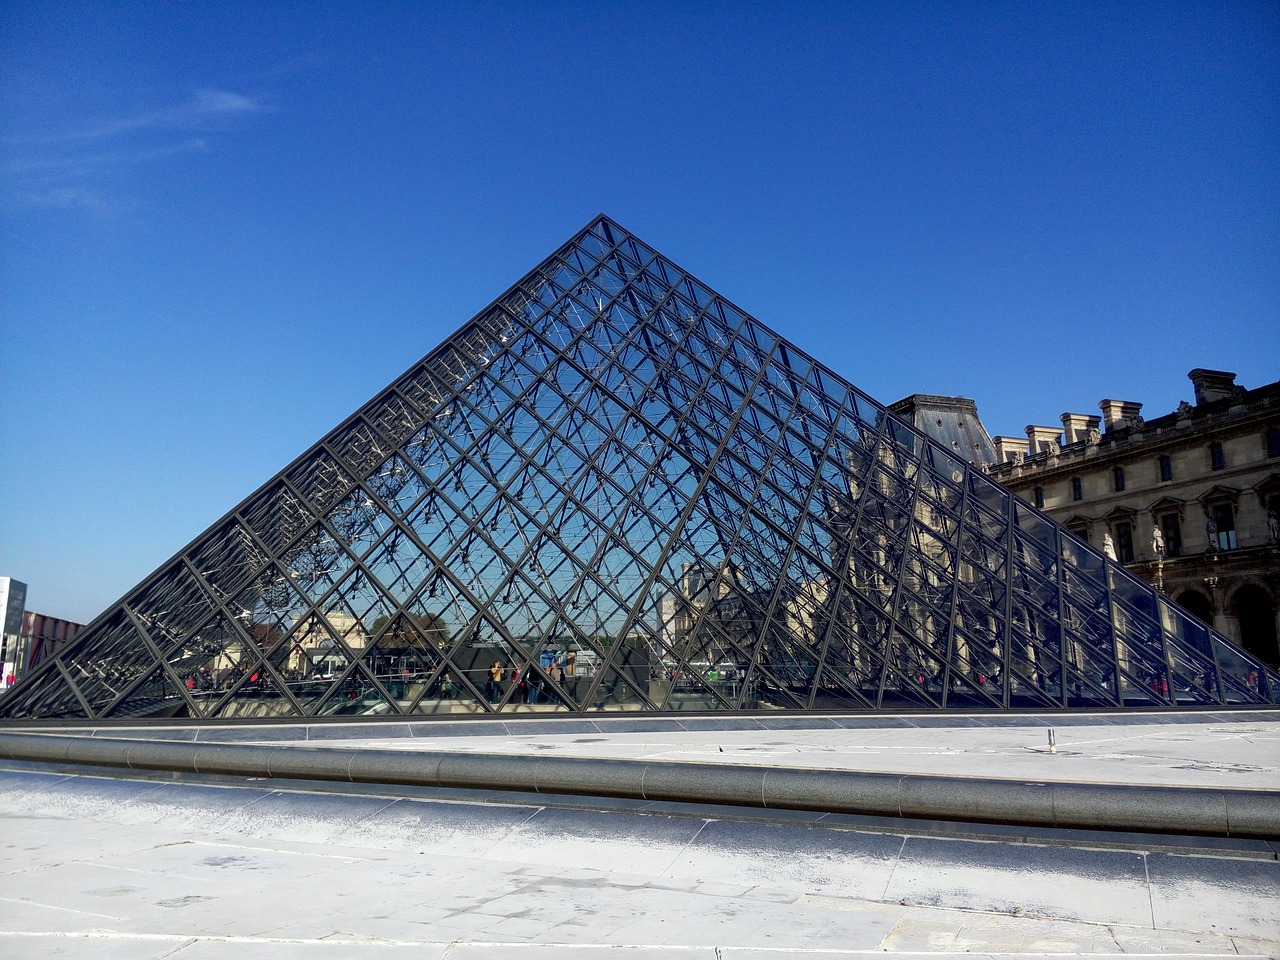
[1198,811]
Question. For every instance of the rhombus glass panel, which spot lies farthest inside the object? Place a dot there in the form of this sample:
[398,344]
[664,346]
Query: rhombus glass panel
[613,490]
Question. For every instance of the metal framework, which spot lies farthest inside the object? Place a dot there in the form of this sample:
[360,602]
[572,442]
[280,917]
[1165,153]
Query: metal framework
[614,490]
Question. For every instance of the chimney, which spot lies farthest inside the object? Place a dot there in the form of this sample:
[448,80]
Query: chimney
[1212,385]
[1118,413]
[1076,426]
[1044,439]
[1006,447]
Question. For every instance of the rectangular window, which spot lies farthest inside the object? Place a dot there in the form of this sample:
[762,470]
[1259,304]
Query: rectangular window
[1172,531]
[1273,441]
[1217,457]
[1117,475]
[1081,530]
[1077,491]
[1166,469]
[1225,519]
[1124,542]
[1039,495]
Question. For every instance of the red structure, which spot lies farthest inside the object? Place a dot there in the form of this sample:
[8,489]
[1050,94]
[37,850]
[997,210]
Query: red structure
[44,636]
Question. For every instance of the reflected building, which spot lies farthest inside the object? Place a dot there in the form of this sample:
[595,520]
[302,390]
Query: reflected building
[614,490]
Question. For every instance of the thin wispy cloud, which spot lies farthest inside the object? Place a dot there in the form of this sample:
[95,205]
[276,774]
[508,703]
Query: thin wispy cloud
[68,166]
[204,108]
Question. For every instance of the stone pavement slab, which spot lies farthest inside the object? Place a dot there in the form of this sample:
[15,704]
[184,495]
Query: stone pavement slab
[135,873]
[1100,886]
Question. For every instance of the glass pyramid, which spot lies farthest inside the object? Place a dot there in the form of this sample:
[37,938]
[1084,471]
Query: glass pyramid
[614,490]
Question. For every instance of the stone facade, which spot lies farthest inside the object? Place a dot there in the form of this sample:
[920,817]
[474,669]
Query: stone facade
[1206,477]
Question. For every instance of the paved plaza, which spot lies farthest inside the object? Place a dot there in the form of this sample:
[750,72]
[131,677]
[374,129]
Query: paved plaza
[164,865]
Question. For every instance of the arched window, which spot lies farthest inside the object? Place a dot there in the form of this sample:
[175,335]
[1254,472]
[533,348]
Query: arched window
[1255,611]
[1196,604]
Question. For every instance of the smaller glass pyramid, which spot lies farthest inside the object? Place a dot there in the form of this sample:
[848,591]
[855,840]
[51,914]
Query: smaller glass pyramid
[614,490]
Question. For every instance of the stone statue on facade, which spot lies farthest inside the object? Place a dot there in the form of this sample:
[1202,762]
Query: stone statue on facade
[1273,527]
[1211,534]
[1093,437]
[1108,546]
[1157,542]
[1184,408]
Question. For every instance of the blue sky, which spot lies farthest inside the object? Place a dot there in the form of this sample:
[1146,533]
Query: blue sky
[226,226]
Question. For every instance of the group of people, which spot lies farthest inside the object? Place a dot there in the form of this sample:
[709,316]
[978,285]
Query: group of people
[526,684]
[203,679]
